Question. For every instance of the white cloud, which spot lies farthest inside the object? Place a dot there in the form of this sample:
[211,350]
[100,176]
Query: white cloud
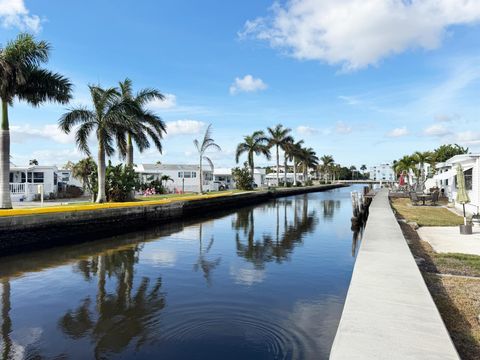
[247,276]
[437,130]
[169,102]
[468,137]
[358,33]
[306,130]
[13,13]
[184,127]
[56,157]
[398,132]
[247,84]
[350,100]
[27,132]
[446,118]
[342,128]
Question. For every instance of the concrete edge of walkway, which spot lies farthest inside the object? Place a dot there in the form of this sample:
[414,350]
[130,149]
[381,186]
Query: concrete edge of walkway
[389,312]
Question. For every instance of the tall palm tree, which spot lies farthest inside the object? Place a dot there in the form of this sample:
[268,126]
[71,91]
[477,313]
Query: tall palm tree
[255,144]
[85,170]
[277,137]
[22,77]
[110,118]
[202,147]
[327,164]
[149,123]
[293,151]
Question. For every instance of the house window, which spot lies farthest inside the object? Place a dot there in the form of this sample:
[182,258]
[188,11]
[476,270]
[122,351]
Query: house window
[468,179]
[194,174]
[180,174]
[187,174]
[37,177]
[55,179]
[11,177]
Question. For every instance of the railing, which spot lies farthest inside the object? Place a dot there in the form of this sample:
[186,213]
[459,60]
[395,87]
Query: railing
[17,188]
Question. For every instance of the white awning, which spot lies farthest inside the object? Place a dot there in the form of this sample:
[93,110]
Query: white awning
[450,173]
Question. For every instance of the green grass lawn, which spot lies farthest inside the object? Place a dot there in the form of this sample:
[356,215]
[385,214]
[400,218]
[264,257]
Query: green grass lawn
[425,215]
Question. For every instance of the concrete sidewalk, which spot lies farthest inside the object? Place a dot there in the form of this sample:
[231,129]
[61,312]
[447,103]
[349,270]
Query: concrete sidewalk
[447,239]
[389,313]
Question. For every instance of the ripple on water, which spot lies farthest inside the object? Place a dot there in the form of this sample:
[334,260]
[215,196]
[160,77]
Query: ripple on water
[218,321]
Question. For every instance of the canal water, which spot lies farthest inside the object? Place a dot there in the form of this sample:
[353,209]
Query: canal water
[262,282]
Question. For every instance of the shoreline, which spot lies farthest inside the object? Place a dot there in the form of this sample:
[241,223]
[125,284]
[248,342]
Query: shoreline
[52,228]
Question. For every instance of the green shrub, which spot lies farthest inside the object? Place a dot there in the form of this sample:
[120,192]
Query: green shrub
[120,181]
[243,178]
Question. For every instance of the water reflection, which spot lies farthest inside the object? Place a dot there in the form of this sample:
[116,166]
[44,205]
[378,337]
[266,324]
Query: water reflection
[115,319]
[277,246]
[276,277]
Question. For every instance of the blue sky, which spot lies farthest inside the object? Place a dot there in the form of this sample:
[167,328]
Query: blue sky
[366,81]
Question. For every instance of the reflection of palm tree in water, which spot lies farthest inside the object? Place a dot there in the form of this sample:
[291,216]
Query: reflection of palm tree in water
[6,321]
[203,263]
[119,318]
[273,248]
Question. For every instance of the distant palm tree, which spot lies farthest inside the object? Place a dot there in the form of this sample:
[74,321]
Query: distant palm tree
[277,137]
[293,151]
[110,119]
[21,77]
[363,168]
[149,124]
[255,144]
[202,147]
[165,179]
[422,158]
[327,164]
[308,159]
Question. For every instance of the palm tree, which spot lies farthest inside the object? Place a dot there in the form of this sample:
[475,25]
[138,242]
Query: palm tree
[278,136]
[363,168]
[202,147]
[327,164]
[421,158]
[148,123]
[110,119]
[308,159]
[293,151]
[22,77]
[255,144]
[166,179]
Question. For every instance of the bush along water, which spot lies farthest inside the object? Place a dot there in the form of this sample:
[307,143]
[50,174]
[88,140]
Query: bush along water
[243,178]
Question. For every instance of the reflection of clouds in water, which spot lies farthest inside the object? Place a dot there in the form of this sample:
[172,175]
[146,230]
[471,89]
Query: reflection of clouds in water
[161,257]
[318,321]
[26,337]
[247,276]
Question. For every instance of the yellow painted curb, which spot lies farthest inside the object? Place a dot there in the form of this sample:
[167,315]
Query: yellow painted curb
[73,208]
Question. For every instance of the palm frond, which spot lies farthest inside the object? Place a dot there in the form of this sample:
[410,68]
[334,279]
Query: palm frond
[210,162]
[43,85]
[74,117]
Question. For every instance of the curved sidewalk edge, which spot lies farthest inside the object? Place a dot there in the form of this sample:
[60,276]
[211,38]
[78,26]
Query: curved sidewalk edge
[389,313]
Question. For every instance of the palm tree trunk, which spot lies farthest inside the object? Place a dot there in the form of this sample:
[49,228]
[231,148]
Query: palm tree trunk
[129,159]
[294,172]
[285,169]
[5,200]
[278,168]
[201,176]
[101,197]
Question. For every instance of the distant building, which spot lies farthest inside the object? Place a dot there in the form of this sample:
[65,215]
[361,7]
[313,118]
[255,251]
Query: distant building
[184,178]
[382,172]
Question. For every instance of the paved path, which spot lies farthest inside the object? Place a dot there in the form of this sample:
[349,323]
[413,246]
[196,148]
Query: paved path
[389,313]
[447,239]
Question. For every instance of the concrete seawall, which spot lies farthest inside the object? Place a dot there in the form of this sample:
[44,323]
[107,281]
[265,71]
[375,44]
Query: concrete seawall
[26,232]
[389,313]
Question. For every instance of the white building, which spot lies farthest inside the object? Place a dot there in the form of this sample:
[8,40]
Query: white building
[27,182]
[271,178]
[184,178]
[382,172]
[446,174]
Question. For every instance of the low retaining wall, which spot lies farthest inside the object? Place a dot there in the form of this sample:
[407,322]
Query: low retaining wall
[26,232]
[389,313]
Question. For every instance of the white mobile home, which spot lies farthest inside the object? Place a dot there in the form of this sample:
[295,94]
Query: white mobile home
[26,182]
[184,178]
[446,174]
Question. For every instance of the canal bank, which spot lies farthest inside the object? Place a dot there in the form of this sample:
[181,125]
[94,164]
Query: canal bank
[51,228]
[389,313]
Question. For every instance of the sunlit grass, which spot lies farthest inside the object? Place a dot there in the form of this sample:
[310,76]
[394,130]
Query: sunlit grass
[425,215]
